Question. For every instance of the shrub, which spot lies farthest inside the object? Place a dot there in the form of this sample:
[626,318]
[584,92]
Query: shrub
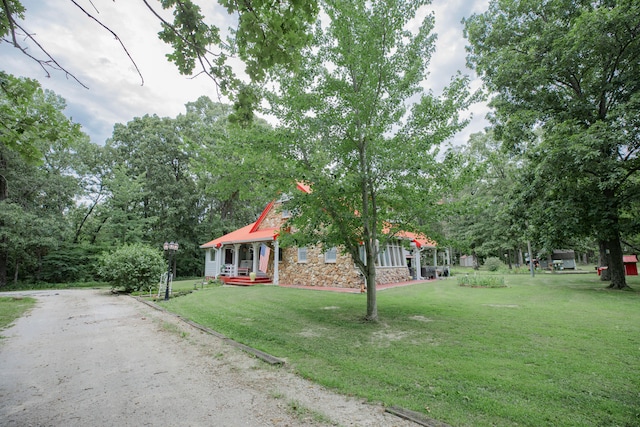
[481,281]
[493,264]
[132,267]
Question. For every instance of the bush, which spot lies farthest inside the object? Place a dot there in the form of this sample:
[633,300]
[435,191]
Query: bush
[132,267]
[481,281]
[493,264]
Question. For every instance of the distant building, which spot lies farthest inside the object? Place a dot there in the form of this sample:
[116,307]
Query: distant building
[630,265]
[562,258]
[467,261]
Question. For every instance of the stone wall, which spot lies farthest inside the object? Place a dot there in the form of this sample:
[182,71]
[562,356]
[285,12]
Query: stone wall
[315,272]
[341,274]
[274,217]
[392,275]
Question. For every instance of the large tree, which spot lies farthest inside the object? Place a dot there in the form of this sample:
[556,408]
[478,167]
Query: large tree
[228,162]
[153,192]
[348,131]
[484,222]
[37,177]
[568,68]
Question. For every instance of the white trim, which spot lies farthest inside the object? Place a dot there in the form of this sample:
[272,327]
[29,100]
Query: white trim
[331,256]
[301,259]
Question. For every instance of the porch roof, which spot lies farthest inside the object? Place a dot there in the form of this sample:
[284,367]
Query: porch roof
[246,234]
[418,238]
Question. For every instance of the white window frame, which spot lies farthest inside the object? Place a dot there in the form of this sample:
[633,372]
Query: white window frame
[331,256]
[303,255]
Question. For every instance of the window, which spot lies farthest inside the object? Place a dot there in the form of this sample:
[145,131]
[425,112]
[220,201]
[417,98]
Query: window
[386,262]
[391,255]
[302,255]
[330,255]
[363,255]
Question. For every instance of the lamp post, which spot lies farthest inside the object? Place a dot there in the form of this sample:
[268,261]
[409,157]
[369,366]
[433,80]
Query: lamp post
[170,248]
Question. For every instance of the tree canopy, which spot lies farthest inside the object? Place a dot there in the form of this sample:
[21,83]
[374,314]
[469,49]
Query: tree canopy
[358,127]
[37,147]
[564,79]
[66,200]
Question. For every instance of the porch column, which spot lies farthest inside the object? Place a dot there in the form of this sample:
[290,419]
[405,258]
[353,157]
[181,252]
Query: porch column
[256,256]
[218,264]
[276,261]
[416,258]
[236,258]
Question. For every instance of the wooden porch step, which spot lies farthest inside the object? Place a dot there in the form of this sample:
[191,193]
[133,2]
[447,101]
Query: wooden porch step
[246,281]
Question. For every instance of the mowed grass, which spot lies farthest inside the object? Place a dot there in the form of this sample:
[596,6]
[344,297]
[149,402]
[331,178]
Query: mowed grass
[13,307]
[554,350]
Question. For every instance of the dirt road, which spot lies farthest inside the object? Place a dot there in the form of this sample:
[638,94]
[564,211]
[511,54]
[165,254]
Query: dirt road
[89,358]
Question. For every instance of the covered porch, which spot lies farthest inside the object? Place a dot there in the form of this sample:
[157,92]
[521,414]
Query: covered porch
[244,257]
[246,264]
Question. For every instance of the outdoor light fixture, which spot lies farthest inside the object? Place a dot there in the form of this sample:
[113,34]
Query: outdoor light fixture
[170,248]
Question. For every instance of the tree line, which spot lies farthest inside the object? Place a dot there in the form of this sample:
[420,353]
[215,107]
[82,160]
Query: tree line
[65,200]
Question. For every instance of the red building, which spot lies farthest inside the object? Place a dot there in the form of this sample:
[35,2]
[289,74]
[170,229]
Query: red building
[630,267]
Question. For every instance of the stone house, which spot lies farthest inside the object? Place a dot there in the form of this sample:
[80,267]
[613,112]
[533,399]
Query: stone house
[255,249]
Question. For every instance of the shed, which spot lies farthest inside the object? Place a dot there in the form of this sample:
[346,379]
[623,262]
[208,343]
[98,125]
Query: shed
[467,261]
[630,267]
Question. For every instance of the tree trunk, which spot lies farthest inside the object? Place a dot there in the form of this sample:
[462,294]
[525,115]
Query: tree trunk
[4,253]
[370,279]
[15,273]
[616,265]
[603,261]
[372,304]
[520,257]
[4,259]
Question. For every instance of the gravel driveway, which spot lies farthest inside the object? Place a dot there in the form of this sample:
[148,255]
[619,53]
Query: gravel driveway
[90,358]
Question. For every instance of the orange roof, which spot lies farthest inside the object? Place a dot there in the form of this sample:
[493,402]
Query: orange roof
[420,239]
[303,187]
[243,235]
[253,233]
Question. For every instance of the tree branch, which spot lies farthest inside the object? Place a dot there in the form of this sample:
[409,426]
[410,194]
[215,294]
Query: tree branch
[51,62]
[12,28]
[202,59]
[114,35]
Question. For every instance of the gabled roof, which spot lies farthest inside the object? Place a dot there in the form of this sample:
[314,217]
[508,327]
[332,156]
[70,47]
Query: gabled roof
[248,233]
[419,239]
[629,258]
[243,235]
[253,232]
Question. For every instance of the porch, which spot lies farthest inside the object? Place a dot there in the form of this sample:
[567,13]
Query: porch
[242,276]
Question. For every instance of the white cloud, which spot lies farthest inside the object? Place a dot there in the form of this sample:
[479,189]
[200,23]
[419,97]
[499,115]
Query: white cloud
[115,92]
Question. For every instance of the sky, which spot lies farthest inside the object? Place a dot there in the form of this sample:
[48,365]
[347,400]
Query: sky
[116,92]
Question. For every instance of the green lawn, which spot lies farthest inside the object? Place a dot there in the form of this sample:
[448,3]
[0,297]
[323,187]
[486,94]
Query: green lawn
[13,307]
[555,350]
